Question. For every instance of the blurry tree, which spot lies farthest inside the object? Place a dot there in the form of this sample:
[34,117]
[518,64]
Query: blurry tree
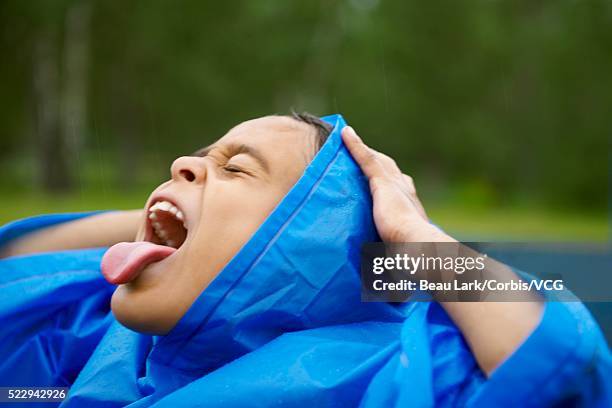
[75,76]
[53,52]
[50,145]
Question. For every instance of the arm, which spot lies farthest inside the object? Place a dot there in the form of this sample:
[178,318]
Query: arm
[98,230]
[492,330]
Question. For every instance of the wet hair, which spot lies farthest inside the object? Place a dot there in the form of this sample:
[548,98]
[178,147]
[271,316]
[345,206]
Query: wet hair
[322,128]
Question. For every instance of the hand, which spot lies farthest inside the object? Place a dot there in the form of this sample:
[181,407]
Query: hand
[398,213]
[493,330]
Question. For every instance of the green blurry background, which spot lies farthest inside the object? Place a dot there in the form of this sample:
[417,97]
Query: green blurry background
[500,110]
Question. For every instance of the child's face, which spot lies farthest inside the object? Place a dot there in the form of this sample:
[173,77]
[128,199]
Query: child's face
[224,196]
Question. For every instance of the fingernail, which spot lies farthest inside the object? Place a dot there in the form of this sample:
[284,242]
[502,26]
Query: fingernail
[352,133]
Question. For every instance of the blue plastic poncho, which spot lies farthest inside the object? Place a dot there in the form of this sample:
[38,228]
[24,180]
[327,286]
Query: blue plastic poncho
[281,325]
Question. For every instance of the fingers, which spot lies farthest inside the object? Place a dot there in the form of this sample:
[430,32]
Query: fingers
[363,155]
[379,164]
[409,184]
[412,194]
[389,164]
[385,161]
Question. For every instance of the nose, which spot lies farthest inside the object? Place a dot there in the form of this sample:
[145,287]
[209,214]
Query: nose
[189,168]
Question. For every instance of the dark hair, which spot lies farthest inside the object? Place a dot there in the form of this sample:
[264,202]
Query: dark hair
[323,128]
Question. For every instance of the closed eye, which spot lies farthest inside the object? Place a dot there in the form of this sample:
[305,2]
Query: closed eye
[233,169]
[230,168]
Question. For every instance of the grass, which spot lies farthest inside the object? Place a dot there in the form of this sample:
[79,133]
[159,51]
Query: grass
[520,224]
[463,222]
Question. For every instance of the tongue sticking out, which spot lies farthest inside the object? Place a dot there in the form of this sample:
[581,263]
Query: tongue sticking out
[124,261]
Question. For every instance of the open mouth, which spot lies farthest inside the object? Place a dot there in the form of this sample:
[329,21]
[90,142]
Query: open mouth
[166,224]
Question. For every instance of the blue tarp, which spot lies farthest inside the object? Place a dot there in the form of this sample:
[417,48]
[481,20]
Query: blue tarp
[281,325]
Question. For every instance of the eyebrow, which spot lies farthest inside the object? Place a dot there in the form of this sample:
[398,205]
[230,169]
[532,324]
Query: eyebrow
[236,149]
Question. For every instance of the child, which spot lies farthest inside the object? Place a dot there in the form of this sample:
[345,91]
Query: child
[241,289]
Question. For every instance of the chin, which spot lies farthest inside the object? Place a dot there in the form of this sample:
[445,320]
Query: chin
[137,315]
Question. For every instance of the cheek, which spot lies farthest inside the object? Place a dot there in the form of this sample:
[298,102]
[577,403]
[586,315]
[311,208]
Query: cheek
[229,218]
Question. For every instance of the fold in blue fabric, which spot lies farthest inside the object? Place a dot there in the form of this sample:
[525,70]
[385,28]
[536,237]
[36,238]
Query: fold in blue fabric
[281,325]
